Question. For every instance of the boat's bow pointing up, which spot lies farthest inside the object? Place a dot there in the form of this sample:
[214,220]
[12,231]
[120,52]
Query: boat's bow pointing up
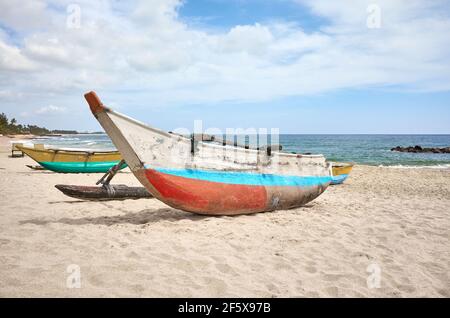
[94,102]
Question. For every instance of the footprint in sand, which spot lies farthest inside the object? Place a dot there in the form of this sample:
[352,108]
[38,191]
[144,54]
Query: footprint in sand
[179,249]
[332,291]
[237,247]
[272,288]
[138,289]
[331,277]
[133,255]
[96,280]
[121,244]
[444,293]
[225,268]
[164,256]
[256,267]
[311,269]
[219,259]
[407,288]
[217,286]
[4,241]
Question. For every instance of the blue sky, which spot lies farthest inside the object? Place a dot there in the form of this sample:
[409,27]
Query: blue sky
[345,112]
[302,66]
[223,14]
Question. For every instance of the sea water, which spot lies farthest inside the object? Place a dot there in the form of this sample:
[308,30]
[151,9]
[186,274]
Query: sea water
[363,149]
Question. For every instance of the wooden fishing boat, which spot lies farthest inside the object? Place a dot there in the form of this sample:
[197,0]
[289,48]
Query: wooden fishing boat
[104,192]
[340,172]
[73,161]
[208,178]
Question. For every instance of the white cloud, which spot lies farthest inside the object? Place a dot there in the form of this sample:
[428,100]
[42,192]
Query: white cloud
[143,55]
[24,15]
[12,59]
[50,109]
[253,39]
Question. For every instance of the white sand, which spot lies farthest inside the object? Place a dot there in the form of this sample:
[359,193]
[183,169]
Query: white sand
[397,219]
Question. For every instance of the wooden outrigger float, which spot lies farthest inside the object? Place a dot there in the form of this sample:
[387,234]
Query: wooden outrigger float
[106,191]
[211,179]
[73,161]
[35,167]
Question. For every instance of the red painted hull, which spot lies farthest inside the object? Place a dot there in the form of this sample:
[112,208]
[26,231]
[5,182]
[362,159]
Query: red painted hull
[205,196]
[214,198]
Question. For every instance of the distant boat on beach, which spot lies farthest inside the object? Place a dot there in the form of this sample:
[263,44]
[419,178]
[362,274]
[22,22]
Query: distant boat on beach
[340,172]
[72,161]
[208,178]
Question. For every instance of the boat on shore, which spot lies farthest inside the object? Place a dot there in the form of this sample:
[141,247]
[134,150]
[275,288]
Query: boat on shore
[340,171]
[72,161]
[210,179]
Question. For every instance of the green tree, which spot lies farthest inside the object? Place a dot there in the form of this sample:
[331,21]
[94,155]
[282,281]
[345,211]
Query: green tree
[3,124]
[12,127]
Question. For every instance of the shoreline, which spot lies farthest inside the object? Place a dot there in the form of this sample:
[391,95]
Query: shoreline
[436,166]
[6,140]
[5,146]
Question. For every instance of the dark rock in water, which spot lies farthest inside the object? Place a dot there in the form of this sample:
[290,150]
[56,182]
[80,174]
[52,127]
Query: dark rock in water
[419,149]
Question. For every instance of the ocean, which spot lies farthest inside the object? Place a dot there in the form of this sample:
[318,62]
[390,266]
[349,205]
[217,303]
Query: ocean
[363,149]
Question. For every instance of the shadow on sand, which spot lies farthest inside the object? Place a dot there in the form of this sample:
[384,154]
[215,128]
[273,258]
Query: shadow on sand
[147,216]
[29,172]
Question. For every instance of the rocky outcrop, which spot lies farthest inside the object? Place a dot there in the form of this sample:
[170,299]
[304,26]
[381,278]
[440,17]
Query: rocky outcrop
[419,149]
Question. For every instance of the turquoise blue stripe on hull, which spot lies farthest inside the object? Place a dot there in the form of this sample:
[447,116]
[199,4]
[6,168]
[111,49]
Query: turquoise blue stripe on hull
[339,179]
[80,167]
[244,178]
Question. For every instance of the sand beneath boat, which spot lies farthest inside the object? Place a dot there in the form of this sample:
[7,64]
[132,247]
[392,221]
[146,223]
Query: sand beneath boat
[385,232]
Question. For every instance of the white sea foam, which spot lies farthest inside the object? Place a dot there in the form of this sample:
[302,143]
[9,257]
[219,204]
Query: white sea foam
[65,138]
[25,142]
[441,166]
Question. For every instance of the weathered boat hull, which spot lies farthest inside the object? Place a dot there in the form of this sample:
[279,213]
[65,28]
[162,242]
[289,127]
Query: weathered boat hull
[71,161]
[231,193]
[210,179]
[104,193]
[340,172]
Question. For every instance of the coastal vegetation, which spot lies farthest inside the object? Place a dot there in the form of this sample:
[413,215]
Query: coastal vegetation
[12,127]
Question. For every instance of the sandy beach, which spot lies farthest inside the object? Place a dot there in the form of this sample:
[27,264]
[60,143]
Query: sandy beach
[388,222]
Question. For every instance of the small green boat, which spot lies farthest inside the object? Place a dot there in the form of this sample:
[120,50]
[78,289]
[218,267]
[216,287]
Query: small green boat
[73,161]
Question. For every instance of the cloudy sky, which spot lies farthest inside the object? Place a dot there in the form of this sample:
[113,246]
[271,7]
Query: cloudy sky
[304,66]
